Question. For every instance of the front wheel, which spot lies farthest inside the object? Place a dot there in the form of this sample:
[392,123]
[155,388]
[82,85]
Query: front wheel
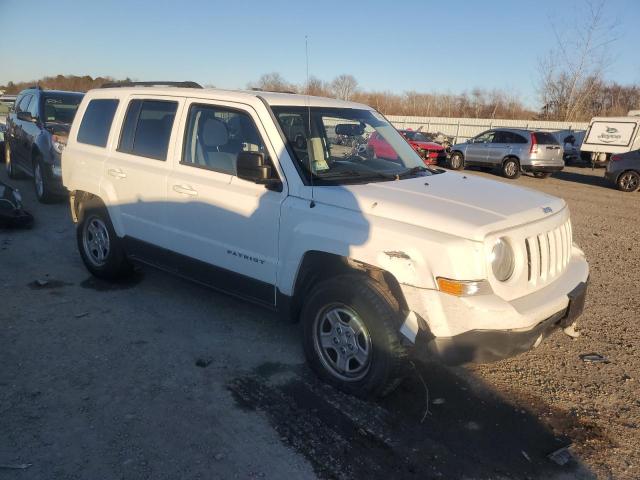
[456,161]
[629,181]
[100,248]
[350,335]
[40,183]
[511,168]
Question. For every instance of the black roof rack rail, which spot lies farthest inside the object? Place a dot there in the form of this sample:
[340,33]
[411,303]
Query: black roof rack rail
[151,84]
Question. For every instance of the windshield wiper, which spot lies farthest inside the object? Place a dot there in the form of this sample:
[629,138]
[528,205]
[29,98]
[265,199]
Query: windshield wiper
[355,174]
[414,171]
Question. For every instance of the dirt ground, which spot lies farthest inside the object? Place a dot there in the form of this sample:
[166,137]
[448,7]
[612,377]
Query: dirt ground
[161,378]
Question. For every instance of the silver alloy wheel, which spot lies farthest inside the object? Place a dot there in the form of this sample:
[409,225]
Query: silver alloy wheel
[38,180]
[629,181]
[95,240]
[510,168]
[456,161]
[342,342]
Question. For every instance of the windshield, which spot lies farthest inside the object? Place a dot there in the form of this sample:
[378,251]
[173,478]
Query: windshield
[60,107]
[345,145]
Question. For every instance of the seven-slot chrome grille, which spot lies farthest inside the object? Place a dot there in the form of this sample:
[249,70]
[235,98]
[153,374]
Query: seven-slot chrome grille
[548,253]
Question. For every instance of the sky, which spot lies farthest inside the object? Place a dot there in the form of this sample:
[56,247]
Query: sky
[446,46]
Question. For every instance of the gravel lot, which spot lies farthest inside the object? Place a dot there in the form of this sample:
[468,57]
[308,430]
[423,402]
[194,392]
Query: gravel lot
[160,378]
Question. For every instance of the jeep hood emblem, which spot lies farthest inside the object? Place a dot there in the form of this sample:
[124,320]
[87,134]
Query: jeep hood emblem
[547,209]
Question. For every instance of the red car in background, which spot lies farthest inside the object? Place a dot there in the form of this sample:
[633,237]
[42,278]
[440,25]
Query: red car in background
[432,153]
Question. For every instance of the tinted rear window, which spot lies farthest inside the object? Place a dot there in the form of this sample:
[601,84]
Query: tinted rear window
[545,138]
[147,128]
[96,122]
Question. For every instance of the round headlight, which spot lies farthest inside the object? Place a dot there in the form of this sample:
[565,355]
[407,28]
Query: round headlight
[502,260]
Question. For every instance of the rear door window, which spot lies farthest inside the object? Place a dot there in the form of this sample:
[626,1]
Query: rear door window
[147,128]
[545,138]
[501,137]
[96,122]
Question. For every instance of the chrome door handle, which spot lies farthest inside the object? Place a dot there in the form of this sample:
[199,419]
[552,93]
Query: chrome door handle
[185,190]
[116,172]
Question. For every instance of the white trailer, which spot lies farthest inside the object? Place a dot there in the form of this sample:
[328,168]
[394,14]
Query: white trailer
[608,135]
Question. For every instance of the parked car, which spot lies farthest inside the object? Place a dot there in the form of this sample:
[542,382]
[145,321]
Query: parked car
[3,130]
[510,151]
[607,136]
[374,255]
[570,141]
[6,104]
[36,131]
[431,153]
[624,171]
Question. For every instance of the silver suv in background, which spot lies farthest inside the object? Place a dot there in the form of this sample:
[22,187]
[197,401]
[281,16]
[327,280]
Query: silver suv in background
[511,151]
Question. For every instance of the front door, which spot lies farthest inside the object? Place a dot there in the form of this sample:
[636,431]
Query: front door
[478,151]
[225,227]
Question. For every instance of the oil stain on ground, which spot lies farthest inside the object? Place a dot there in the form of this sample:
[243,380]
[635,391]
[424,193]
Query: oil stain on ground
[463,435]
[99,285]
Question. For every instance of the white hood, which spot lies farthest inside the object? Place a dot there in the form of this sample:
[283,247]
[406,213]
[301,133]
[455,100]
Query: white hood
[466,206]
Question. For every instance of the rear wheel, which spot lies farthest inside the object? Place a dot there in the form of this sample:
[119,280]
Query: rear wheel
[541,174]
[629,181]
[12,172]
[456,161]
[511,168]
[100,248]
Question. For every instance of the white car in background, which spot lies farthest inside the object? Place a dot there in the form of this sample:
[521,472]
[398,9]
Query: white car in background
[374,256]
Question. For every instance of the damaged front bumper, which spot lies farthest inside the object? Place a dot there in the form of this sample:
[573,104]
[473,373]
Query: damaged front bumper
[486,329]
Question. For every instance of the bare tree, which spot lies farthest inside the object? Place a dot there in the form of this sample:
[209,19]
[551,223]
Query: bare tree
[571,73]
[344,86]
[316,87]
[273,82]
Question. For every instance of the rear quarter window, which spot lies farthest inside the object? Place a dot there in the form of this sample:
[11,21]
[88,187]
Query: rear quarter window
[96,122]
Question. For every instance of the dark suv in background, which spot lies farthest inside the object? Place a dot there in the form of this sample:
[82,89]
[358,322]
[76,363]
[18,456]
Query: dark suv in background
[37,130]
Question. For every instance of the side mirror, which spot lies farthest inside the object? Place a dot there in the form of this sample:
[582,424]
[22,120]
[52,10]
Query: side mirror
[25,117]
[251,166]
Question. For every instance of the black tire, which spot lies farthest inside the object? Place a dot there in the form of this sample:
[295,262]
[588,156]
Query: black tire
[91,243]
[40,182]
[378,311]
[2,152]
[628,181]
[510,168]
[541,174]
[456,161]
[12,171]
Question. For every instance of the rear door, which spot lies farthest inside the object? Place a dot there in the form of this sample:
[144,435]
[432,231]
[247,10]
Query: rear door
[18,142]
[478,151]
[499,148]
[136,170]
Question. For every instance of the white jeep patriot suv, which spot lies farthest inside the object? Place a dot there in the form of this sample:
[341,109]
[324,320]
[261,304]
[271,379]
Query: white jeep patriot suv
[256,194]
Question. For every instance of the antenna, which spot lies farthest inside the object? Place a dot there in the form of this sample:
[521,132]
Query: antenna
[309,146]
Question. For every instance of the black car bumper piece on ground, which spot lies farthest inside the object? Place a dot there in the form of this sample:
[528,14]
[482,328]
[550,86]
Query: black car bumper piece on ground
[485,346]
